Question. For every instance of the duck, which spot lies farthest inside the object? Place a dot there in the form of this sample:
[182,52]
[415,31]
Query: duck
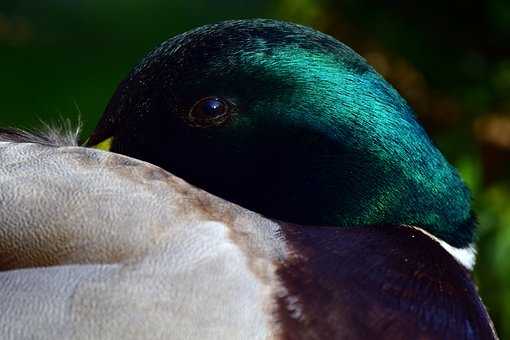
[249,179]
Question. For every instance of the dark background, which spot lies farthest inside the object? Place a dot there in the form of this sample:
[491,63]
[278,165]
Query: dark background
[450,60]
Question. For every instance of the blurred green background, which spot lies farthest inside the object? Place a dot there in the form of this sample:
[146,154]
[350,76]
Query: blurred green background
[450,60]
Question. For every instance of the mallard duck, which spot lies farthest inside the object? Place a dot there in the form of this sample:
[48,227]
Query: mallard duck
[303,200]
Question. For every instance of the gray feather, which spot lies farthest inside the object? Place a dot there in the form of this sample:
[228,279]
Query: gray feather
[95,245]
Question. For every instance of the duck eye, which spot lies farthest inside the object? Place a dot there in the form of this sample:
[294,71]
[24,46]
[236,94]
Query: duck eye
[209,111]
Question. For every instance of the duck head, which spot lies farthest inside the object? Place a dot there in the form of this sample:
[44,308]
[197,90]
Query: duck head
[287,122]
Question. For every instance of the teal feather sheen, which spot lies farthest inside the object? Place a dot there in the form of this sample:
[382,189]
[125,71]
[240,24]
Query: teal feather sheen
[402,176]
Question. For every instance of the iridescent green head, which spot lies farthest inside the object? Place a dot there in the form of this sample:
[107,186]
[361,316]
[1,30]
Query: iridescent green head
[288,122]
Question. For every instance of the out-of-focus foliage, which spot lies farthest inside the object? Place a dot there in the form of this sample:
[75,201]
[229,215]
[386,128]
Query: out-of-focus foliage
[450,60]
[64,57]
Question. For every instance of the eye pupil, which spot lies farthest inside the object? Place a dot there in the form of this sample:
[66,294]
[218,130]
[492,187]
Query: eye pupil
[213,107]
[210,111]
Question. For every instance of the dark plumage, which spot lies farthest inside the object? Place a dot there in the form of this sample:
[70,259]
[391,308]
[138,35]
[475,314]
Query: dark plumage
[380,282]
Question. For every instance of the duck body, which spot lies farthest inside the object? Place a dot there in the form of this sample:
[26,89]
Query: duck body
[145,255]
[327,212]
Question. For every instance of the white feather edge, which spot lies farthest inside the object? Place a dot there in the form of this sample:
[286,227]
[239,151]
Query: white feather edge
[59,134]
[465,256]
